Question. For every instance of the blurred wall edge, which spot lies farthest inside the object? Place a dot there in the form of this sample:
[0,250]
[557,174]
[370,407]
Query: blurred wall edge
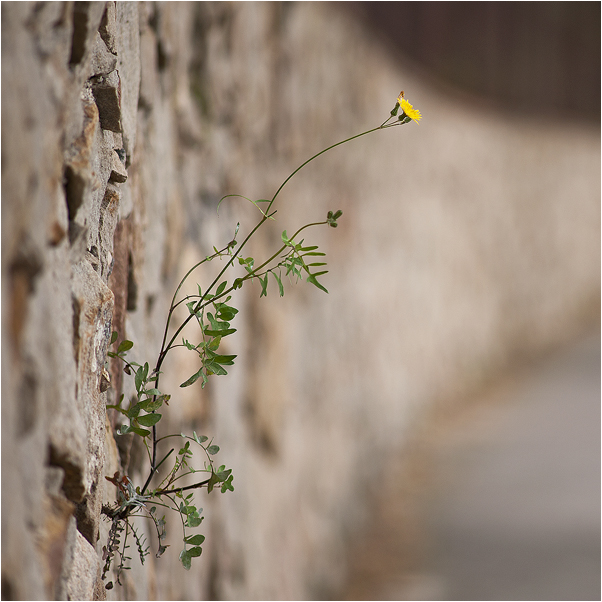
[467,242]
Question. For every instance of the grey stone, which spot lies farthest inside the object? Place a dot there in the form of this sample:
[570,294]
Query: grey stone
[102,61]
[128,52]
[86,21]
[108,27]
[118,172]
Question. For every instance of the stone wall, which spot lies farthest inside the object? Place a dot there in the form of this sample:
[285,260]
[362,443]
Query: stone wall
[466,243]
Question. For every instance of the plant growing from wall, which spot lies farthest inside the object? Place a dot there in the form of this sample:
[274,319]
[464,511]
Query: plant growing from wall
[212,310]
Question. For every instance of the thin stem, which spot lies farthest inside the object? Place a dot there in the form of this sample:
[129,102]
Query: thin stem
[380,127]
[185,488]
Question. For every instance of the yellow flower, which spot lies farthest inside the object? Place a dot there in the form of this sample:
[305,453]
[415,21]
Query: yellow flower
[408,109]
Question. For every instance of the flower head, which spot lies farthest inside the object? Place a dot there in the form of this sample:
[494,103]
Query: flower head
[408,109]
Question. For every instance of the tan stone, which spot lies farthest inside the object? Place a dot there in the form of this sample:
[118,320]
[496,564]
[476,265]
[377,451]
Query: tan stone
[84,571]
[53,538]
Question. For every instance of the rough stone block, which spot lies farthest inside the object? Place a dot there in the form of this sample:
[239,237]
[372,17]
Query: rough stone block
[107,93]
[128,51]
[84,570]
[118,172]
[102,61]
[53,539]
[86,20]
[108,29]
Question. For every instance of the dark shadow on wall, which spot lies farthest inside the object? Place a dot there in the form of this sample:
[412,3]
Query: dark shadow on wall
[535,58]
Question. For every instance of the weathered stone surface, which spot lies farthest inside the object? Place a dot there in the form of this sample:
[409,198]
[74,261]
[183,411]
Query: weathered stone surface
[84,571]
[118,173]
[107,94]
[102,61]
[53,539]
[86,20]
[107,28]
[127,38]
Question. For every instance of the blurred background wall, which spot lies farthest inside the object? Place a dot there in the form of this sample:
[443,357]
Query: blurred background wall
[468,242]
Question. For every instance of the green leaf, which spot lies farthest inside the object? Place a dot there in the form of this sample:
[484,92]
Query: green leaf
[264,286]
[227,486]
[213,449]
[213,480]
[114,336]
[222,475]
[225,312]
[200,439]
[140,377]
[312,279]
[314,254]
[223,333]
[249,262]
[194,521]
[151,392]
[124,346]
[332,218]
[149,419]
[194,552]
[215,323]
[185,559]
[195,540]
[192,379]
[213,368]
[134,410]
[279,281]
[214,344]
[139,431]
[221,288]
[148,405]
[226,360]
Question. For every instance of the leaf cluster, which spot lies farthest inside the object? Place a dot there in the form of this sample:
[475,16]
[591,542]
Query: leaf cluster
[142,411]
[214,327]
